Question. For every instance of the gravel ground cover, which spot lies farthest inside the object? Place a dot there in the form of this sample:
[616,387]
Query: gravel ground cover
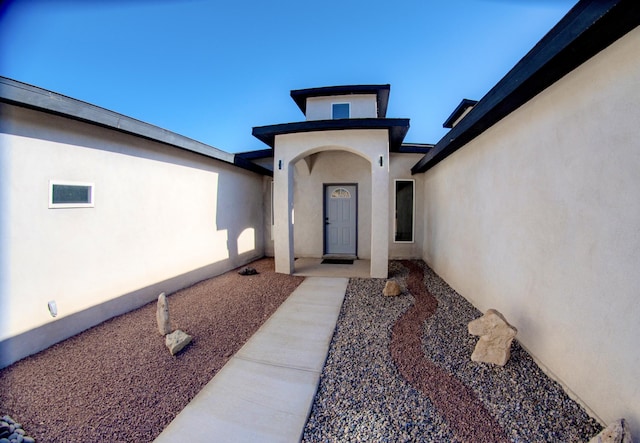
[376,386]
[117,382]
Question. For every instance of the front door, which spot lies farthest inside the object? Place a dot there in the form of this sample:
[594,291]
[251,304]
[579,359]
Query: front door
[340,219]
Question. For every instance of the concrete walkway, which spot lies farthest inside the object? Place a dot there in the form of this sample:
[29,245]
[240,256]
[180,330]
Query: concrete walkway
[265,392]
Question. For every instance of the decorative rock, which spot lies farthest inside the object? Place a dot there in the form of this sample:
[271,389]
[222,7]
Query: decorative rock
[616,432]
[391,289]
[162,315]
[496,335]
[176,341]
[248,271]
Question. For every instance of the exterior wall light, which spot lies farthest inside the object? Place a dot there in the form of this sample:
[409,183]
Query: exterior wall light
[279,164]
[381,161]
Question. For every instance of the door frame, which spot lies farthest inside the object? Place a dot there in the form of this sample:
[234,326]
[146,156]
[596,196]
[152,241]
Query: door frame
[324,217]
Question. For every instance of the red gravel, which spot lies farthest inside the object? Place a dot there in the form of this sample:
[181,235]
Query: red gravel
[467,416]
[117,382]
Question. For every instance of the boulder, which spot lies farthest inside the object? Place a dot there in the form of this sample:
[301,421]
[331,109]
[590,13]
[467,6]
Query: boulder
[176,341]
[616,432]
[391,289]
[162,315]
[496,335]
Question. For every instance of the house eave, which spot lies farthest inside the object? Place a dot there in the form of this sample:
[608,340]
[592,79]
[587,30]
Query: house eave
[588,28]
[24,95]
[397,128]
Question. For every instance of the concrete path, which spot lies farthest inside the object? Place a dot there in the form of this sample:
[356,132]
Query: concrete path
[265,392]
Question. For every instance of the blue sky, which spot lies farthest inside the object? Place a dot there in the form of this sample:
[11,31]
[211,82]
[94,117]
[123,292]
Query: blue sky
[211,70]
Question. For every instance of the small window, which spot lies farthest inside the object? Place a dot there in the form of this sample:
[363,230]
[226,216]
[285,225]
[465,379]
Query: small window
[405,209]
[70,194]
[340,110]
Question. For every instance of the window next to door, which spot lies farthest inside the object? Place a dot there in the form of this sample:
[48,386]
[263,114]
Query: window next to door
[404,211]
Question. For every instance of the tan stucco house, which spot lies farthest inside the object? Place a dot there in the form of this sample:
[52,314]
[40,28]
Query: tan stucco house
[529,204]
[344,176]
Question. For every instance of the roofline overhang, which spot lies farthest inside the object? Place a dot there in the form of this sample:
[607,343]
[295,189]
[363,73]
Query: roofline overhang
[457,113]
[300,96]
[588,28]
[396,127]
[21,94]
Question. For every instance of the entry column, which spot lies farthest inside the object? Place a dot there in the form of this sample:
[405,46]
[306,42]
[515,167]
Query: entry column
[283,223]
[380,216]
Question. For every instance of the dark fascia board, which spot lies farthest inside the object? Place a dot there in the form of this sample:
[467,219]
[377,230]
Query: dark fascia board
[28,96]
[588,28]
[455,115]
[247,164]
[300,96]
[256,155]
[415,148]
[397,128]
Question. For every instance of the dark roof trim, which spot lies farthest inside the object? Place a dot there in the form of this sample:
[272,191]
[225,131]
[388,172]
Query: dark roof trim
[589,27]
[397,128]
[256,155]
[415,148]
[28,96]
[457,113]
[247,164]
[300,96]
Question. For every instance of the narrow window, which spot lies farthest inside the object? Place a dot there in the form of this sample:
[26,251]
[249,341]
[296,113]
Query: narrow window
[340,110]
[405,209]
[70,194]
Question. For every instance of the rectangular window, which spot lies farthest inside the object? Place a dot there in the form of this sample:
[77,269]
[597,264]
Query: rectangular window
[63,194]
[404,210]
[340,110]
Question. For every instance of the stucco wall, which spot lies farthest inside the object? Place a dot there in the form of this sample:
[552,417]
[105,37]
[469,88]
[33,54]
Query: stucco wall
[539,217]
[163,219]
[362,106]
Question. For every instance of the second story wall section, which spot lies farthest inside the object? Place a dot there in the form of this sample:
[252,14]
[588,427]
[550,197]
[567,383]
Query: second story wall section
[342,106]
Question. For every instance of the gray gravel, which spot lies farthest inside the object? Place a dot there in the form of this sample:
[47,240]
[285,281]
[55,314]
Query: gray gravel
[363,397]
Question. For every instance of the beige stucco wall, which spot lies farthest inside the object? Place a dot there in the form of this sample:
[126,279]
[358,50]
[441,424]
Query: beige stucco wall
[400,168]
[160,215]
[362,106]
[539,217]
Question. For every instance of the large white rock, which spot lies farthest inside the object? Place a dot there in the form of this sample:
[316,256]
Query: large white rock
[162,315]
[496,335]
[616,432]
[176,341]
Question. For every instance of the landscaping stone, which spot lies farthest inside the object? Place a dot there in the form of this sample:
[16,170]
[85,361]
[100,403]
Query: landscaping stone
[162,315]
[391,289]
[248,271]
[12,432]
[616,432]
[496,335]
[177,340]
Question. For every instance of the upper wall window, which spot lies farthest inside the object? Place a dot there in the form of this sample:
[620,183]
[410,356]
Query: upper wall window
[405,209]
[340,110]
[64,194]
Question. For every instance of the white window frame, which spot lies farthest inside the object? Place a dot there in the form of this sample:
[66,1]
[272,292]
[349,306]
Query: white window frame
[340,103]
[413,212]
[53,205]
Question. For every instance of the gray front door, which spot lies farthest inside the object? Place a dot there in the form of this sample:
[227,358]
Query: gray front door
[340,219]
